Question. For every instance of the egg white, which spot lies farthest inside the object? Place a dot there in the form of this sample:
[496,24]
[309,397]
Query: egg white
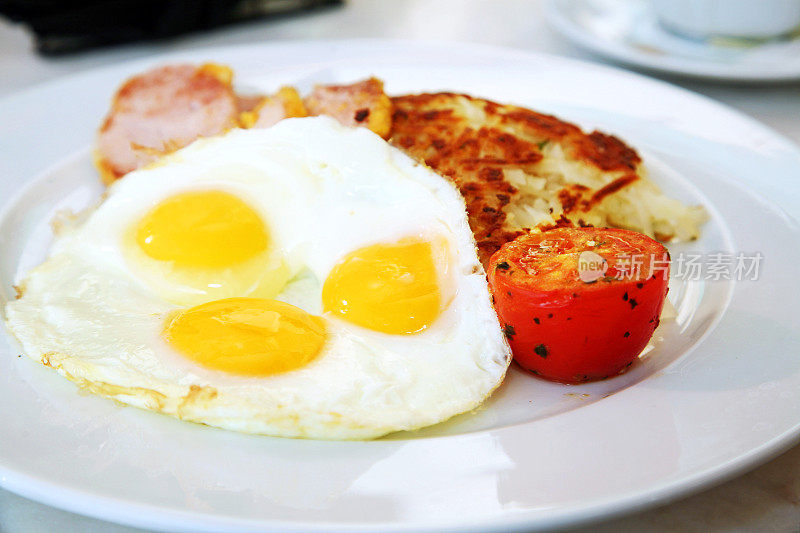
[324,190]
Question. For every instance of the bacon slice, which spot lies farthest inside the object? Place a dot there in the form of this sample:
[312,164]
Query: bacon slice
[285,103]
[162,110]
[359,104]
[248,102]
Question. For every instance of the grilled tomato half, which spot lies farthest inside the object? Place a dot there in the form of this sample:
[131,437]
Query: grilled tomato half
[579,304]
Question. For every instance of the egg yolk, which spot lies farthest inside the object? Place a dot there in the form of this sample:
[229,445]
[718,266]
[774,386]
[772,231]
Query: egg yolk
[392,288]
[199,246]
[249,336]
[202,229]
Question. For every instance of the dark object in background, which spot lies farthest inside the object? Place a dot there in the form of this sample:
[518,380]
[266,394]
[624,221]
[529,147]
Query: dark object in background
[64,26]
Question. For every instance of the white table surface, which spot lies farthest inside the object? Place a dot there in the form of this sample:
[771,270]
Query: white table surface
[766,499]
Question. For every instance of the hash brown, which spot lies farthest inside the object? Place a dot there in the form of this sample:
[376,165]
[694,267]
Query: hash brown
[519,169]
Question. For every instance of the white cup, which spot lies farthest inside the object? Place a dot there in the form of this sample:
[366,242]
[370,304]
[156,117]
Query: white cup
[750,19]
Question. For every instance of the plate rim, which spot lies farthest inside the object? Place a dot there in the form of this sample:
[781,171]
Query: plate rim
[16,481]
[119,511]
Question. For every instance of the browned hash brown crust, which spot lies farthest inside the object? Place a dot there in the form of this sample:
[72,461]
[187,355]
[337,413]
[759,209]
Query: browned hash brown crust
[474,142]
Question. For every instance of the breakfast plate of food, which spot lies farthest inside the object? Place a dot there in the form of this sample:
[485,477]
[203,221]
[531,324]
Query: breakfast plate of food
[386,285]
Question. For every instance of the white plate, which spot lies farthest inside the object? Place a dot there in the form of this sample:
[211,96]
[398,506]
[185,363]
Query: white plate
[628,31]
[719,393]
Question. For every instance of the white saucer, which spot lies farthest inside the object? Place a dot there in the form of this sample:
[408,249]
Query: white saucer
[628,31]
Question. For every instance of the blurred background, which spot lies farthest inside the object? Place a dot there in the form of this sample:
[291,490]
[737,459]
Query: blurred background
[64,27]
[43,39]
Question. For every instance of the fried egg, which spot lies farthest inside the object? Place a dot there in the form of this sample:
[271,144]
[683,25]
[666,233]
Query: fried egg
[306,280]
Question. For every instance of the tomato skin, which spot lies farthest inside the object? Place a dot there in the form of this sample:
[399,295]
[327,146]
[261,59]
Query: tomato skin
[576,331]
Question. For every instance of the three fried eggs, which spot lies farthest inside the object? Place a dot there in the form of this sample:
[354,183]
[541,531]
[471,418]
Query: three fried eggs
[306,280]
